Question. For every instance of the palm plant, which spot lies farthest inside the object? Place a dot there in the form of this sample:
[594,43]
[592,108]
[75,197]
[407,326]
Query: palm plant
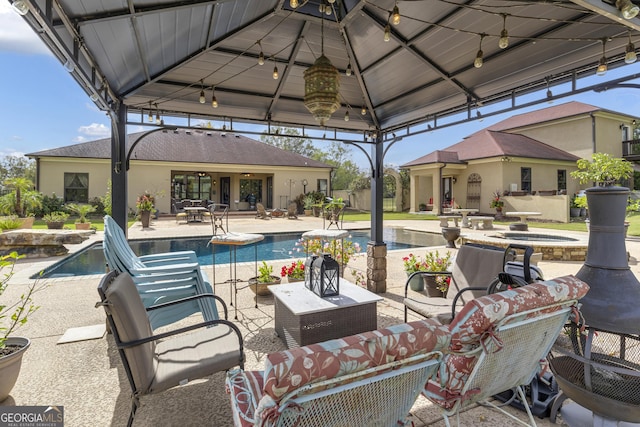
[22,200]
[82,210]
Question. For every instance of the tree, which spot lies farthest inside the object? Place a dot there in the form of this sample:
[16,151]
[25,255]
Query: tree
[290,139]
[23,198]
[13,166]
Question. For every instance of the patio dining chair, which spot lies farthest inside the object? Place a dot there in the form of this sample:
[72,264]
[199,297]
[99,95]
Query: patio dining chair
[499,342]
[179,211]
[160,277]
[219,216]
[157,362]
[292,210]
[334,214]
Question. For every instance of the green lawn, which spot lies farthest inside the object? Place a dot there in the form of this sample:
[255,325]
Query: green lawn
[634,221]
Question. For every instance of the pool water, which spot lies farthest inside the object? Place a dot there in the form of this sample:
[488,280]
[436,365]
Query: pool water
[274,246]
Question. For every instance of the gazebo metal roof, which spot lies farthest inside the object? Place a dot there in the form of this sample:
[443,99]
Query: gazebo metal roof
[159,54]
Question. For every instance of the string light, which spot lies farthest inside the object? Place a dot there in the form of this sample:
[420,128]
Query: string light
[549,93]
[214,101]
[261,56]
[150,112]
[387,33]
[346,116]
[479,61]
[630,52]
[602,65]
[275,72]
[363,111]
[202,98]
[503,43]
[627,9]
[293,3]
[395,15]
[158,120]
[349,71]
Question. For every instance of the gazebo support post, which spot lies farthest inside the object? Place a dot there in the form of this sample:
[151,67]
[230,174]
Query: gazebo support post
[118,170]
[376,247]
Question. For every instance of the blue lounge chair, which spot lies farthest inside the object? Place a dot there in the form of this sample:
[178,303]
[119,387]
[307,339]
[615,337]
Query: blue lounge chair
[160,277]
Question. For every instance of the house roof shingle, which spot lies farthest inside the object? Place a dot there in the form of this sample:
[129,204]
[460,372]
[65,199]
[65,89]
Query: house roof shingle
[568,109]
[486,144]
[190,147]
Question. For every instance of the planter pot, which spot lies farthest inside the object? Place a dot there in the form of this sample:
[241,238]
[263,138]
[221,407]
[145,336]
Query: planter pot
[10,365]
[145,218]
[308,212]
[451,234]
[294,280]
[583,211]
[574,212]
[83,225]
[55,225]
[431,287]
[27,222]
[416,283]
[263,288]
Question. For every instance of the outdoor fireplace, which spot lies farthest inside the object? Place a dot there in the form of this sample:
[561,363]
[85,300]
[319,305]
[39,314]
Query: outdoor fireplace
[601,369]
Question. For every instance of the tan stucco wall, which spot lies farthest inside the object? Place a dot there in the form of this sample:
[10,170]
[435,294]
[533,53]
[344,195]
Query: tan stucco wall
[155,177]
[51,179]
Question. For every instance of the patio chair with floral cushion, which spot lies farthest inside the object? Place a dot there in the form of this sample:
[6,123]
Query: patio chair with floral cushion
[372,378]
[157,362]
[500,341]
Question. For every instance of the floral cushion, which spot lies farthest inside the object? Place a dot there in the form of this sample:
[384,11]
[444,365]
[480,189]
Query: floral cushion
[478,318]
[245,388]
[288,370]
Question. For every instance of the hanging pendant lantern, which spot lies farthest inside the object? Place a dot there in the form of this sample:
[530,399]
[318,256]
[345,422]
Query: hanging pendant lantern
[321,89]
[325,277]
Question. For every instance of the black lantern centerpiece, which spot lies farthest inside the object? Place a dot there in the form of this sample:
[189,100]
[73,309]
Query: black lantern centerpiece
[308,272]
[325,276]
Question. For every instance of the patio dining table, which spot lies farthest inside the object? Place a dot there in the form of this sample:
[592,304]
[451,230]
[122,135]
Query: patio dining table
[464,213]
[194,213]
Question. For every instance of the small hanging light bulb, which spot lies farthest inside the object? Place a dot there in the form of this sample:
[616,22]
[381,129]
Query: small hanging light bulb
[387,33]
[275,73]
[158,120]
[202,98]
[261,55]
[346,116]
[479,60]
[602,65]
[150,113]
[363,111]
[321,7]
[630,53]
[349,71]
[293,3]
[503,43]
[331,1]
[214,101]
[395,15]
[549,93]
[327,10]
[627,9]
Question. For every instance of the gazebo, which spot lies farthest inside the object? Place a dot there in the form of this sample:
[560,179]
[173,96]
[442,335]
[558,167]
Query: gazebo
[366,72]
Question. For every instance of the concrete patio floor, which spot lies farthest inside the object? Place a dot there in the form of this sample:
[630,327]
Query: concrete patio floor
[87,378]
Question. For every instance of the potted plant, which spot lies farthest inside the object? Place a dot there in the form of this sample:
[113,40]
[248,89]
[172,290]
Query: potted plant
[82,210]
[294,272]
[422,207]
[308,203]
[145,205]
[581,203]
[437,285]
[574,206]
[10,222]
[55,220]
[497,203]
[12,316]
[259,284]
[602,170]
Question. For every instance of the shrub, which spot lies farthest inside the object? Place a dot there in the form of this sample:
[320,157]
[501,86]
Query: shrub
[10,222]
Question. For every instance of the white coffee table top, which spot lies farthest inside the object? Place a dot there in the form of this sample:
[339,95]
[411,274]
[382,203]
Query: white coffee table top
[325,234]
[300,300]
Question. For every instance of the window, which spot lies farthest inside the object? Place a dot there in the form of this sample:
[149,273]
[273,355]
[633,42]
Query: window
[322,186]
[195,185]
[76,187]
[562,179]
[251,189]
[525,179]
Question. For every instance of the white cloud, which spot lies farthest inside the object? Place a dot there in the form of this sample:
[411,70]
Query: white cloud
[79,139]
[16,35]
[96,130]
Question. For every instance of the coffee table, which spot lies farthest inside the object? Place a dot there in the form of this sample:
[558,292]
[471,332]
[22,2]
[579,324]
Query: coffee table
[302,317]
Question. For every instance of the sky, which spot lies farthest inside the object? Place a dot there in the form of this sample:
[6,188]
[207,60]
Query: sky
[42,106]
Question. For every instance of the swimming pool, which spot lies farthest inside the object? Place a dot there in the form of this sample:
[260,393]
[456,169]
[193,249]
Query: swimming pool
[274,246]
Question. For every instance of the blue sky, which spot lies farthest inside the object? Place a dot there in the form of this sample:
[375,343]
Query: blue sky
[42,107]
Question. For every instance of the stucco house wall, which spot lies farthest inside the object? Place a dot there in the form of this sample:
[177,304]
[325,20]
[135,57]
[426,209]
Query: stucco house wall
[51,175]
